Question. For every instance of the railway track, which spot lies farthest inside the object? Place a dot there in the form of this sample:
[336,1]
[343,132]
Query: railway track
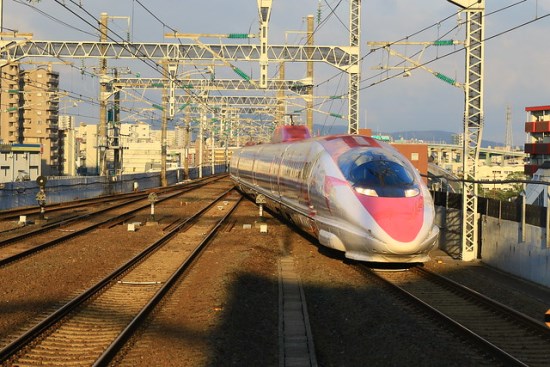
[507,335]
[32,211]
[87,203]
[91,329]
[20,245]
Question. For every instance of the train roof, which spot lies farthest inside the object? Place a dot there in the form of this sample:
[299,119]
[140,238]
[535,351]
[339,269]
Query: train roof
[288,133]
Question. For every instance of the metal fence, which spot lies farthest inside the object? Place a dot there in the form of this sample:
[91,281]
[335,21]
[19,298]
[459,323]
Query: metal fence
[508,210]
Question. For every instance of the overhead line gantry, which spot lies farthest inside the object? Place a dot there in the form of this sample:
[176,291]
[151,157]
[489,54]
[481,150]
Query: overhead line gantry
[169,54]
[473,111]
[345,58]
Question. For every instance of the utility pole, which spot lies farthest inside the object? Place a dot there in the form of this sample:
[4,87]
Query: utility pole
[281,101]
[202,124]
[186,146]
[103,95]
[168,97]
[117,149]
[164,124]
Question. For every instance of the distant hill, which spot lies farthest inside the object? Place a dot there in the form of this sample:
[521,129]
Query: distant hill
[432,136]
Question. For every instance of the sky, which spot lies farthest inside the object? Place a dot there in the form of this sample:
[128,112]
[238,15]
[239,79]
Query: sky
[516,54]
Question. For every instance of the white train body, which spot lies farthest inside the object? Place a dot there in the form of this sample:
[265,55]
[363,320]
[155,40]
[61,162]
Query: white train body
[354,193]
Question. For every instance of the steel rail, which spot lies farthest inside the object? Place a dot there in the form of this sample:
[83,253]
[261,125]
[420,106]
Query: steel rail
[68,236]
[24,340]
[110,353]
[473,298]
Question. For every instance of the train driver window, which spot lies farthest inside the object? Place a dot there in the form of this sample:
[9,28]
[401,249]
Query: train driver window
[377,174]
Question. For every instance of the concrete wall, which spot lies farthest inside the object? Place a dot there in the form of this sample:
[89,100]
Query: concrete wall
[501,245]
[449,222]
[503,248]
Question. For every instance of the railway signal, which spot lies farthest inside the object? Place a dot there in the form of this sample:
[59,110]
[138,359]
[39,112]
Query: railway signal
[153,198]
[41,196]
[260,199]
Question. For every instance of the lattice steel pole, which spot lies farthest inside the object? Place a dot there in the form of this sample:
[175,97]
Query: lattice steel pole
[309,76]
[102,138]
[473,121]
[354,68]
[264,7]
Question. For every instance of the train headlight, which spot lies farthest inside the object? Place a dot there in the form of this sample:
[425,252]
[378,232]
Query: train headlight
[409,193]
[366,191]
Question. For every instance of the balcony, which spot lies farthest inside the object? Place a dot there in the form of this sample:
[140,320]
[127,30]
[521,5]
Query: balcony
[537,148]
[537,127]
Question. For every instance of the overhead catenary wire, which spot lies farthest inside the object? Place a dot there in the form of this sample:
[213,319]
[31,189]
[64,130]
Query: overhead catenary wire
[151,63]
[538,18]
[371,51]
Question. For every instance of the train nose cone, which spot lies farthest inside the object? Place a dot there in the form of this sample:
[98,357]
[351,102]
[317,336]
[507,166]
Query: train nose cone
[400,218]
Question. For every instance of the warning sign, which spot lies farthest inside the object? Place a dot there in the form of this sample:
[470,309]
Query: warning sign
[547,318]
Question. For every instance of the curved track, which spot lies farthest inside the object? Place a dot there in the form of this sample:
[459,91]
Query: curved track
[509,337]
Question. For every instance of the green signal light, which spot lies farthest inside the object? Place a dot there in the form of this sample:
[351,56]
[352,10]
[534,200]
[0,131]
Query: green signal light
[337,115]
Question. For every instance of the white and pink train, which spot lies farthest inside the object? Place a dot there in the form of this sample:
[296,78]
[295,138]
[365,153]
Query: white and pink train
[354,193]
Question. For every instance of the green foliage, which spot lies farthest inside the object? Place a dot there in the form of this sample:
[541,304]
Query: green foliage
[513,190]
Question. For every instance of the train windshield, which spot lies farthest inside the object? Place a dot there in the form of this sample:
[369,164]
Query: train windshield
[376,173]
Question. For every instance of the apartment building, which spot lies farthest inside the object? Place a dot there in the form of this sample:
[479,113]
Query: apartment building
[30,105]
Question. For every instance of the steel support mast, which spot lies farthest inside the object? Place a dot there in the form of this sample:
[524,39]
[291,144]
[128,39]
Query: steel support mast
[103,96]
[309,77]
[473,121]
[264,7]
[354,69]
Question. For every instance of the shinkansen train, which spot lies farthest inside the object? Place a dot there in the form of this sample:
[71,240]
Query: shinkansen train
[354,193]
